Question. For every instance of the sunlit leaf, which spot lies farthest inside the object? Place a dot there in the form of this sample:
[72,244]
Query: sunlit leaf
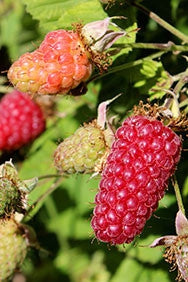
[61,14]
[70,224]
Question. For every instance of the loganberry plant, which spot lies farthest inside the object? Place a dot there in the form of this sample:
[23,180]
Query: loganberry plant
[103,182]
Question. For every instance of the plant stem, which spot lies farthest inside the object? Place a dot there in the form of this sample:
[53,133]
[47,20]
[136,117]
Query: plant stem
[48,176]
[126,66]
[49,191]
[183,103]
[178,76]
[160,21]
[182,81]
[178,194]
[172,102]
[53,213]
[43,196]
[170,46]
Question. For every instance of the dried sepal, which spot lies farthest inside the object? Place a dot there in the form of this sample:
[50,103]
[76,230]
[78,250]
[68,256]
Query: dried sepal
[97,37]
[163,113]
[176,247]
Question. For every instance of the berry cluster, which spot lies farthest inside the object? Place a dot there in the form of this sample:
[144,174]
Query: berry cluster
[21,120]
[142,159]
[13,248]
[14,236]
[57,66]
[83,151]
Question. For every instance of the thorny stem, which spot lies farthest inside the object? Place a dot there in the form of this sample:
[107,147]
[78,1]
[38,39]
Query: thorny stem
[126,66]
[160,21]
[178,194]
[170,46]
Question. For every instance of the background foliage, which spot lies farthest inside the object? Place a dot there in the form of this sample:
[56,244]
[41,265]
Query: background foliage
[62,219]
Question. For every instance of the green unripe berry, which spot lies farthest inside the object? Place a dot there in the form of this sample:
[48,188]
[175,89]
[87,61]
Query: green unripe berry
[13,248]
[83,151]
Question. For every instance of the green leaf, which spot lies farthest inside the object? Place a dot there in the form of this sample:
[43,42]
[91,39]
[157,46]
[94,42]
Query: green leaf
[129,24]
[10,26]
[16,34]
[78,265]
[150,78]
[75,226]
[185,187]
[145,254]
[174,5]
[72,258]
[61,14]
[37,164]
[82,190]
[167,200]
[134,270]
[130,37]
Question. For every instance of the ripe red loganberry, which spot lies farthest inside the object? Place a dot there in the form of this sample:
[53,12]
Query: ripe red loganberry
[59,64]
[21,120]
[142,159]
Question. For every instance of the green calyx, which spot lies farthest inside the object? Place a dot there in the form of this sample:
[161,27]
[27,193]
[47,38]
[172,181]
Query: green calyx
[10,196]
[13,191]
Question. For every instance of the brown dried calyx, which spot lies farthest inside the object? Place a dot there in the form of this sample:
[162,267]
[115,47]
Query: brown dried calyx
[176,252]
[97,37]
[164,114]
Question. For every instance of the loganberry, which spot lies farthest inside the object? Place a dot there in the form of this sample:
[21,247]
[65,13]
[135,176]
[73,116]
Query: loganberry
[142,159]
[58,65]
[13,248]
[64,60]
[84,151]
[21,120]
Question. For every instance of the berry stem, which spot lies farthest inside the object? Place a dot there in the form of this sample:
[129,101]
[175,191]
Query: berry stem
[160,21]
[127,65]
[178,76]
[182,81]
[173,101]
[183,104]
[170,46]
[4,89]
[54,185]
[178,194]
[48,176]
[49,191]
